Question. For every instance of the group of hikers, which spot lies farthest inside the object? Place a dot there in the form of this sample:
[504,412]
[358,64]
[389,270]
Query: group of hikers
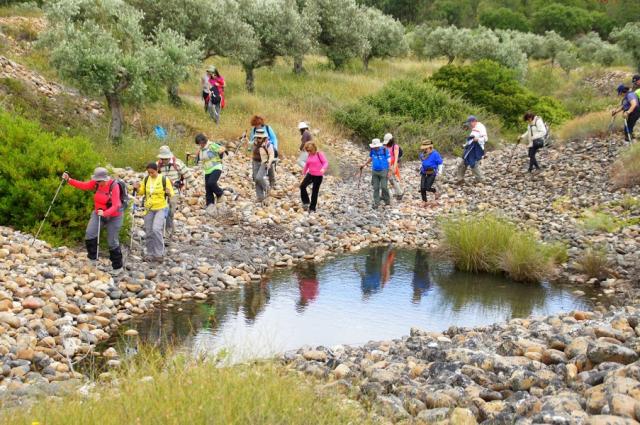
[168,176]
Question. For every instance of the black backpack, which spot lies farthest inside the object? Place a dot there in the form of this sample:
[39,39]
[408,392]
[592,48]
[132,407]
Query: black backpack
[400,152]
[124,194]
[214,97]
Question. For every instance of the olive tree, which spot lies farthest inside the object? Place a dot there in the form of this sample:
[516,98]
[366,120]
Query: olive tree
[101,47]
[554,44]
[383,35]
[568,60]
[310,28]
[340,36]
[449,42]
[628,38]
[591,48]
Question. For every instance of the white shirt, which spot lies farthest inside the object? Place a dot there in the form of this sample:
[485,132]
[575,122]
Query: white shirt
[537,130]
[479,132]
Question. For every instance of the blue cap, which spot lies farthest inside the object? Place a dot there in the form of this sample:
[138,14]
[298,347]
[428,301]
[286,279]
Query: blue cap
[471,118]
[621,88]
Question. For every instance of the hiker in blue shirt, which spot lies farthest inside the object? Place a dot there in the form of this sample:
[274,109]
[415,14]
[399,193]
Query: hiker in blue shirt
[630,108]
[431,166]
[379,159]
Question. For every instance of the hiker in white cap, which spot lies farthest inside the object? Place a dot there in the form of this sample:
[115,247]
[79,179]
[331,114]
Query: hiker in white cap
[305,136]
[395,153]
[379,159]
[178,174]
[263,156]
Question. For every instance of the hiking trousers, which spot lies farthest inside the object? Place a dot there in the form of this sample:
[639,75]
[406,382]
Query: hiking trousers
[632,119]
[394,179]
[379,181]
[113,225]
[272,174]
[260,175]
[214,112]
[533,162]
[173,206]
[426,185]
[154,222]
[477,173]
[211,187]
[315,189]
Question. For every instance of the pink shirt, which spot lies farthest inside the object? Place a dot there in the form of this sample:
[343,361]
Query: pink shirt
[316,164]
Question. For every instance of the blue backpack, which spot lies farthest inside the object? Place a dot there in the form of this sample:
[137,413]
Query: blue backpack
[379,159]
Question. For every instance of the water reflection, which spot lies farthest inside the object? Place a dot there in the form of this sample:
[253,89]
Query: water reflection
[376,294]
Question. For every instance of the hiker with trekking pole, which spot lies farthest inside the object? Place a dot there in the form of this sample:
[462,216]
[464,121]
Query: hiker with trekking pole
[180,177]
[263,156]
[431,165]
[473,150]
[629,106]
[53,201]
[110,201]
[209,155]
[259,123]
[156,190]
[536,135]
[379,159]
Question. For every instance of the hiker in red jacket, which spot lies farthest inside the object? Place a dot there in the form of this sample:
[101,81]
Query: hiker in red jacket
[107,213]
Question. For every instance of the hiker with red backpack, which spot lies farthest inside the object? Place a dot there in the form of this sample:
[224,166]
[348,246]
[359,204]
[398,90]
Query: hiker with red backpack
[395,153]
[156,190]
[109,201]
[178,174]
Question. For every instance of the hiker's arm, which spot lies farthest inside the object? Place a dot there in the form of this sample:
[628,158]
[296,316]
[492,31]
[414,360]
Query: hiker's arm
[366,163]
[90,185]
[169,191]
[323,161]
[140,188]
[115,201]
[187,176]
[271,154]
[634,105]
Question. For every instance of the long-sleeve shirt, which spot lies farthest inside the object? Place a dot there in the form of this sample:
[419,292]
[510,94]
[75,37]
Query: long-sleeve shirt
[535,131]
[316,164]
[433,160]
[304,138]
[264,153]
[270,134]
[176,171]
[479,132]
[154,193]
[110,205]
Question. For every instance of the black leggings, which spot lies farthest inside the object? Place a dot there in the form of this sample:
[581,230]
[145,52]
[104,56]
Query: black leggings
[533,150]
[632,119]
[211,186]
[426,185]
[316,181]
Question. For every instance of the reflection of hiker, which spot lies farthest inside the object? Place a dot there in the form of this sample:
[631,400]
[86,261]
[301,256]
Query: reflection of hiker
[395,153]
[535,135]
[263,157]
[629,106]
[308,285]
[257,123]
[473,149]
[107,213]
[431,166]
[178,174]
[387,266]
[210,156]
[312,173]
[379,160]
[421,280]
[371,279]
[156,189]
[256,297]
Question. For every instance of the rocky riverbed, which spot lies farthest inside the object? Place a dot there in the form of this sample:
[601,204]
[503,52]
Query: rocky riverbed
[55,306]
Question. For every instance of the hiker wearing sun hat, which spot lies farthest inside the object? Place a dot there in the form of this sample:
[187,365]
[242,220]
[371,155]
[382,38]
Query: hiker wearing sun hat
[473,149]
[178,174]
[305,136]
[630,108]
[395,153]
[430,167]
[379,159]
[263,157]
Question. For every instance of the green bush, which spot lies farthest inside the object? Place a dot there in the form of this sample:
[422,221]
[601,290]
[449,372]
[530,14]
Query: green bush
[497,89]
[505,19]
[33,161]
[487,243]
[413,110]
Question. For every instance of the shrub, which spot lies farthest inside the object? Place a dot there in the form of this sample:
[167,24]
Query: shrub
[567,21]
[593,262]
[33,161]
[412,110]
[21,31]
[626,170]
[600,221]
[595,124]
[496,88]
[491,244]
[503,18]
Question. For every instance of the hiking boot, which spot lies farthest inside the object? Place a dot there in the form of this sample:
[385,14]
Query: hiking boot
[437,195]
[305,207]
[116,272]
[211,209]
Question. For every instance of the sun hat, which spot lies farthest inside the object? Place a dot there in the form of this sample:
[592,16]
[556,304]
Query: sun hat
[426,144]
[165,153]
[211,69]
[471,118]
[100,174]
[387,137]
[302,125]
[375,143]
[260,133]
[622,88]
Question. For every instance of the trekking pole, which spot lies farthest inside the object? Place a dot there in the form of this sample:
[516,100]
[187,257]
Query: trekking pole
[133,220]
[609,132]
[98,245]
[187,158]
[626,130]
[243,138]
[513,153]
[62,182]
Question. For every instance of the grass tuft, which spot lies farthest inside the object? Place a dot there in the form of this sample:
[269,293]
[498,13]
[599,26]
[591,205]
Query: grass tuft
[594,124]
[593,262]
[626,170]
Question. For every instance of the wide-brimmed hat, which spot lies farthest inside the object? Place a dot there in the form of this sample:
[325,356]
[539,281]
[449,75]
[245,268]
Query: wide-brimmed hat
[165,152]
[302,125]
[211,69]
[387,138]
[375,143]
[100,174]
[260,133]
[426,144]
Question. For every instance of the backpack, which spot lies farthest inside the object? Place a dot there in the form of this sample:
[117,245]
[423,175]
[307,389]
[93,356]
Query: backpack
[214,97]
[124,194]
[270,133]
[400,152]
[547,133]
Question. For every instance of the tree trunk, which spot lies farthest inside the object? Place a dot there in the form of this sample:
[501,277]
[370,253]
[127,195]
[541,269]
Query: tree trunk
[451,58]
[365,62]
[117,117]
[297,65]
[249,81]
[174,97]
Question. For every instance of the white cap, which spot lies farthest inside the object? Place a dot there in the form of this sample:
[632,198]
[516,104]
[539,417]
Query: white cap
[302,125]
[375,143]
[387,137]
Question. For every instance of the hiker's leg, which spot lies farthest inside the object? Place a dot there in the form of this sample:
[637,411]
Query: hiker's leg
[317,181]
[154,223]
[375,182]
[113,226]
[304,195]
[272,174]
[205,97]
[430,179]
[217,113]
[255,167]
[395,185]
[423,187]
[632,120]
[91,236]
[173,205]
[462,168]
[262,186]
[148,230]
[208,189]
[384,185]
[213,181]
[477,173]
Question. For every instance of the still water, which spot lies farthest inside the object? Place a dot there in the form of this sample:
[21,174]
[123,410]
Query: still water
[376,294]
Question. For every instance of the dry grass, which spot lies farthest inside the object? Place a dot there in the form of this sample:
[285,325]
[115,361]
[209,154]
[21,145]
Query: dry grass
[593,262]
[626,170]
[594,124]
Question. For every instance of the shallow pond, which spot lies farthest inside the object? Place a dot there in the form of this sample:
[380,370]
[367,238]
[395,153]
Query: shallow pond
[376,294]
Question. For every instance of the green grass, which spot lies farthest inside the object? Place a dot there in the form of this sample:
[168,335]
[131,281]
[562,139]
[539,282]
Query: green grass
[600,221]
[154,389]
[28,10]
[487,243]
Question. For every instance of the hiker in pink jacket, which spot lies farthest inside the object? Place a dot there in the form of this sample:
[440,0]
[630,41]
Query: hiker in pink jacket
[312,173]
